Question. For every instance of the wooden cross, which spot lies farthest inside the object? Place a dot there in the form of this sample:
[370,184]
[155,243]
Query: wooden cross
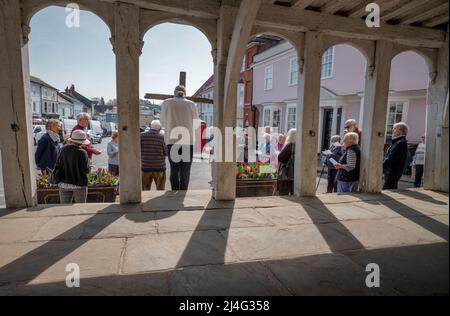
[153,96]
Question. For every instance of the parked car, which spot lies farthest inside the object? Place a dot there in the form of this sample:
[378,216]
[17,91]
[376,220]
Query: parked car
[67,126]
[109,127]
[96,126]
[95,137]
[39,136]
[37,130]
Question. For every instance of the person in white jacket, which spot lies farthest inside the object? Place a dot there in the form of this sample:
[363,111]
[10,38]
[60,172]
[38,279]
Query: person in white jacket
[177,116]
[419,163]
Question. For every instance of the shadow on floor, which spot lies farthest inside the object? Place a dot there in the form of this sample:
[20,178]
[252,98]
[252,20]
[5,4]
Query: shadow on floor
[40,259]
[317,211]
[426,222]
[423,197]
[35,262]
[216,243]
[403,271]
[407,270]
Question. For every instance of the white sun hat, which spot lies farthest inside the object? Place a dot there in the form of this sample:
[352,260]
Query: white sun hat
[79,137]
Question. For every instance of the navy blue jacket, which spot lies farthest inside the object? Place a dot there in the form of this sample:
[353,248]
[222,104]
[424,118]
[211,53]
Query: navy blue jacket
[353,175]
[336,154]
[46,153]
[395,158]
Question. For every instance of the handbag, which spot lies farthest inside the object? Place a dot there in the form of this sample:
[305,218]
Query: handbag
[286,170]
[54,176]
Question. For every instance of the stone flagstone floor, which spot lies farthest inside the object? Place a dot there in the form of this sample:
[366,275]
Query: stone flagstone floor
[189,244]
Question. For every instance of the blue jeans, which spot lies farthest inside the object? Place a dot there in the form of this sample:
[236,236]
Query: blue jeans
[180,172]
[419,176]
[346,187]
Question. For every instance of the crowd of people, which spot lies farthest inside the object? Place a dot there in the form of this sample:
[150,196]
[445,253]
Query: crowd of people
[67,161]
[342,159]
[71,159]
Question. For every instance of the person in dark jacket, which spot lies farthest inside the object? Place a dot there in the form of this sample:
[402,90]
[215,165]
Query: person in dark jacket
[286,160]
[73,166]
[349,165]
[48,147]
[335,152]
[395,157]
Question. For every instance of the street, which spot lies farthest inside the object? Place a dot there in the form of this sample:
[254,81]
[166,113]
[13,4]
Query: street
[200,173]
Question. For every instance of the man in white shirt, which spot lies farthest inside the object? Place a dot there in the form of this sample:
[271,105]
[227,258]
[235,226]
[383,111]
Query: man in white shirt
[177,117]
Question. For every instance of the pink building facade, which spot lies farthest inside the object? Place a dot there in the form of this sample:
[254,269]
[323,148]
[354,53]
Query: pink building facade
[343,82]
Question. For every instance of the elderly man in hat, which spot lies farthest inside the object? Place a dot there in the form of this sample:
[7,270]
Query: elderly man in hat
[177,117]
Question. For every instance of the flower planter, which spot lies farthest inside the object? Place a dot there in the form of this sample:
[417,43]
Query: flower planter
[102,188]
[256,188]
[96,194]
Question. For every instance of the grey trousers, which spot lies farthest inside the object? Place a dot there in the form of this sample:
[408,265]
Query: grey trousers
[69,196]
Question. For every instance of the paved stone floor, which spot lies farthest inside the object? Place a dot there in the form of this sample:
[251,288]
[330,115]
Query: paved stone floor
[189,244]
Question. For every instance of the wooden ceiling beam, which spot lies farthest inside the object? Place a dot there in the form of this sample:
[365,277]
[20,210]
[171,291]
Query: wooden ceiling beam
[427,14]
[302,4]
[296,19]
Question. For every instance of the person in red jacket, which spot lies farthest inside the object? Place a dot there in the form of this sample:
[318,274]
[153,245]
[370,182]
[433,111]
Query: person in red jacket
[83,125]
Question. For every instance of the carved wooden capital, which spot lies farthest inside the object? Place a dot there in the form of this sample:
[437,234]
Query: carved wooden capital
[301,65]
[371,71]
[433,76]
[25,33]
[214,56]
[134,49]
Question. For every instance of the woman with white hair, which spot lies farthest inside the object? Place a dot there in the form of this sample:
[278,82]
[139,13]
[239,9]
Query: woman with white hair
[281,142]
[286,159]
[266,150]
[349,165]
[83,125]
[335,152]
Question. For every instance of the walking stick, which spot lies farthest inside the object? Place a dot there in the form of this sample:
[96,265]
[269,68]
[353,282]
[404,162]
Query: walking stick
[321,174]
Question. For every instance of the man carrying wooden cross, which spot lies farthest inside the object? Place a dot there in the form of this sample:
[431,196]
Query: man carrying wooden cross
[177,117]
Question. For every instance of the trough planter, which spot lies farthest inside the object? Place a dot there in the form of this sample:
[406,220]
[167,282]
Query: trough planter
[97,194]
[256,188]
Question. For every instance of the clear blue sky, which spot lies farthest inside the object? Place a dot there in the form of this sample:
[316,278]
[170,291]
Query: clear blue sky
[83,56]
